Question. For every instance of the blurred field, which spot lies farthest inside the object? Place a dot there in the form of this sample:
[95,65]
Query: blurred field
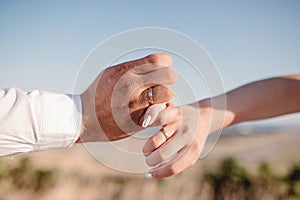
[74,174]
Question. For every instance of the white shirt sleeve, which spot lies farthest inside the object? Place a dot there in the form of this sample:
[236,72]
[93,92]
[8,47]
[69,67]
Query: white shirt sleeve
[37,120]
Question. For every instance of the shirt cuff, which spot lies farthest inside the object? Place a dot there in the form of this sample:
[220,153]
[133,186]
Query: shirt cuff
[61,121]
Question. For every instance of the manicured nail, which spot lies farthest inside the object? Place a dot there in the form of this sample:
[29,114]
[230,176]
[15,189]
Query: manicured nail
[146,121]
[148,175]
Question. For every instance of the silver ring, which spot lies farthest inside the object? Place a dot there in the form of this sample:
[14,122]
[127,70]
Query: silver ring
[165,133]
[150,95]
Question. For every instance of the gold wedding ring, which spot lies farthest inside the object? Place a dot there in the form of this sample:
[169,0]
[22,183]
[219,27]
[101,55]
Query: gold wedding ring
[150,95]
[165,133]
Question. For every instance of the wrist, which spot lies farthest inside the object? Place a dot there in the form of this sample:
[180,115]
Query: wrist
[216,114]
[86,109]
[90,128]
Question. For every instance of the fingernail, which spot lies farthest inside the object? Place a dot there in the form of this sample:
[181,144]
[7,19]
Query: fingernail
[146,121]
[148,175]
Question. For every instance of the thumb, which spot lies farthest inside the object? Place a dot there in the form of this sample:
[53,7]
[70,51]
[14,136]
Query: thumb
[152,113]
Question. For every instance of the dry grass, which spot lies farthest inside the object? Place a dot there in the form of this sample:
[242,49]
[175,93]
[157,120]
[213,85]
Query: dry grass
[73,174]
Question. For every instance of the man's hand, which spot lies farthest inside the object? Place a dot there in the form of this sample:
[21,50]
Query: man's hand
[115,103]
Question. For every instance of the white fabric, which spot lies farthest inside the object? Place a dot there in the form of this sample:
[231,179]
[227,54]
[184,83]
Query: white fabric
[37,120]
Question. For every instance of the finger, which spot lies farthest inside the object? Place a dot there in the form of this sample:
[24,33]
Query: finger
[164,75]
[160,114]
[159,138]
[160,94]
[151,62]
[186,158]
[151,113]
[165,151]
[166,116]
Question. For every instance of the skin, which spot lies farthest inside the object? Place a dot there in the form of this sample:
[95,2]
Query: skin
[115,103]
[258,100]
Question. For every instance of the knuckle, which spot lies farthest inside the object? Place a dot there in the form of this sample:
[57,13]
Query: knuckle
[145,149]
[185,129]
[160,157]
[155,142]
[195,147]
[169,94]
[160,58]
[149,162]
[148,147]
[161,120]
[172,169]
[153,58]
[125,85]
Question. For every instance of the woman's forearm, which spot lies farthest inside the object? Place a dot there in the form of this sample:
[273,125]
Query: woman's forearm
[263,99]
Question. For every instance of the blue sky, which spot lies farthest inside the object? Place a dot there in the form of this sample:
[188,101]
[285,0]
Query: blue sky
[43,43]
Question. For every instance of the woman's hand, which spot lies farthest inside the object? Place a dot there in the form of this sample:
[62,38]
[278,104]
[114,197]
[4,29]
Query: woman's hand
[115,103]
[178,145]
[185,136]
